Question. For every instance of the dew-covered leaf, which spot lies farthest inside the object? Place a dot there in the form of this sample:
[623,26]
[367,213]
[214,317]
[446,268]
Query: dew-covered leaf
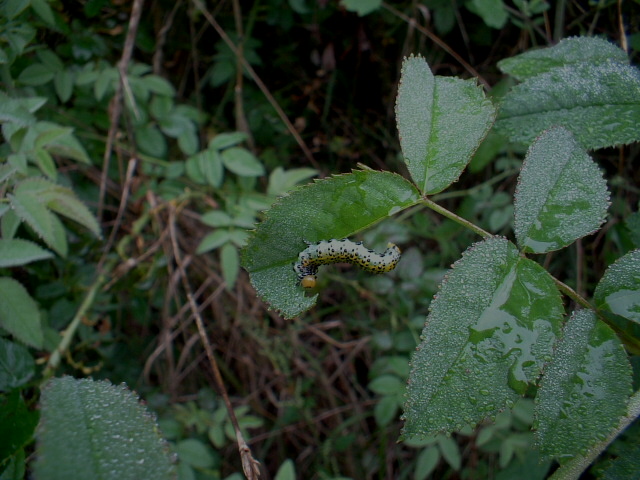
[15,252]
[19,314]
[335,207]
[619,288]
[598,103]
[568,51]
[93,429]
[589,373]
[441,121]
[490,330]
[561,194]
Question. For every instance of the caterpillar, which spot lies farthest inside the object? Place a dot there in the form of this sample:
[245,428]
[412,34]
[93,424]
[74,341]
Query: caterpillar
[335,251]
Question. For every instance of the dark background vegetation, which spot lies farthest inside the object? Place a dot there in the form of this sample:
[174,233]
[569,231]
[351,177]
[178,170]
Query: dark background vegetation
[304,384]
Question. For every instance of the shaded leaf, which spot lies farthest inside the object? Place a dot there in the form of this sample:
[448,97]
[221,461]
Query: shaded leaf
[336,207]
[491,328]
[589,373]
[17,424]
[361,7]
[619,288]
[561,195]
[16,366]
[19,314]
[116,439]
[230,263]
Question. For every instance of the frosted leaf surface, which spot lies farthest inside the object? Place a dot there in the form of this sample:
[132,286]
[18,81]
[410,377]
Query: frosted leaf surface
[599,104]
[619,288]
[441,122]
[91,430]
[561,195]
[584,389]
[491,328]
[568,51]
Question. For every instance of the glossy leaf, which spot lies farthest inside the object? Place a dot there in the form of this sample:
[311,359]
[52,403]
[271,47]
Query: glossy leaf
[116,439]
[491,328]
[561,195]
[619,288]
[584,390]
[441,121]
[335,207]
[593,50]
[599,104]
[19,314]
[15,252]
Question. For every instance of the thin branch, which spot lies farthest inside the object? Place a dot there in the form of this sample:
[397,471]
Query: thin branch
[263,88]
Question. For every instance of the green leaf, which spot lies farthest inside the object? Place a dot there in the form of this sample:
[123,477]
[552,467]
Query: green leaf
[491,328]
[16,366]
[117,438]
[19,314]
[336,207]
[35,74]
[45,163]
[159,85]
[206,168]
[361,7]
[226,140]
[386,410]
[450,451]
[46,225]
[214,240]
[426,463]
[242,162]
[151,141]
[492,12]
[584,390]
[17,424]
[48,133]
[43,10]
[188,142]
[50,60]
[287,471]
[63,83]
[15,252]
[386,384]
[63,201]
[195,453]
[216,218]
[599,104]
[230,263]
[561,194]
[619,288]
[281,181]
[593,50]
[441,121]
[13,8]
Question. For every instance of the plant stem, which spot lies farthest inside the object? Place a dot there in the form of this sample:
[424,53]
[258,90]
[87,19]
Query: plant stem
[578,464]
[56,355]
[452,216]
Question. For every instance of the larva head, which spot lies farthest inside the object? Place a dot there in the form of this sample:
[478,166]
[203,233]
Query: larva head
[309,281]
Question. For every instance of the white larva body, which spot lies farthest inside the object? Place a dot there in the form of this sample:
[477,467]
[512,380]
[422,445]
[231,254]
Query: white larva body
[336,251]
